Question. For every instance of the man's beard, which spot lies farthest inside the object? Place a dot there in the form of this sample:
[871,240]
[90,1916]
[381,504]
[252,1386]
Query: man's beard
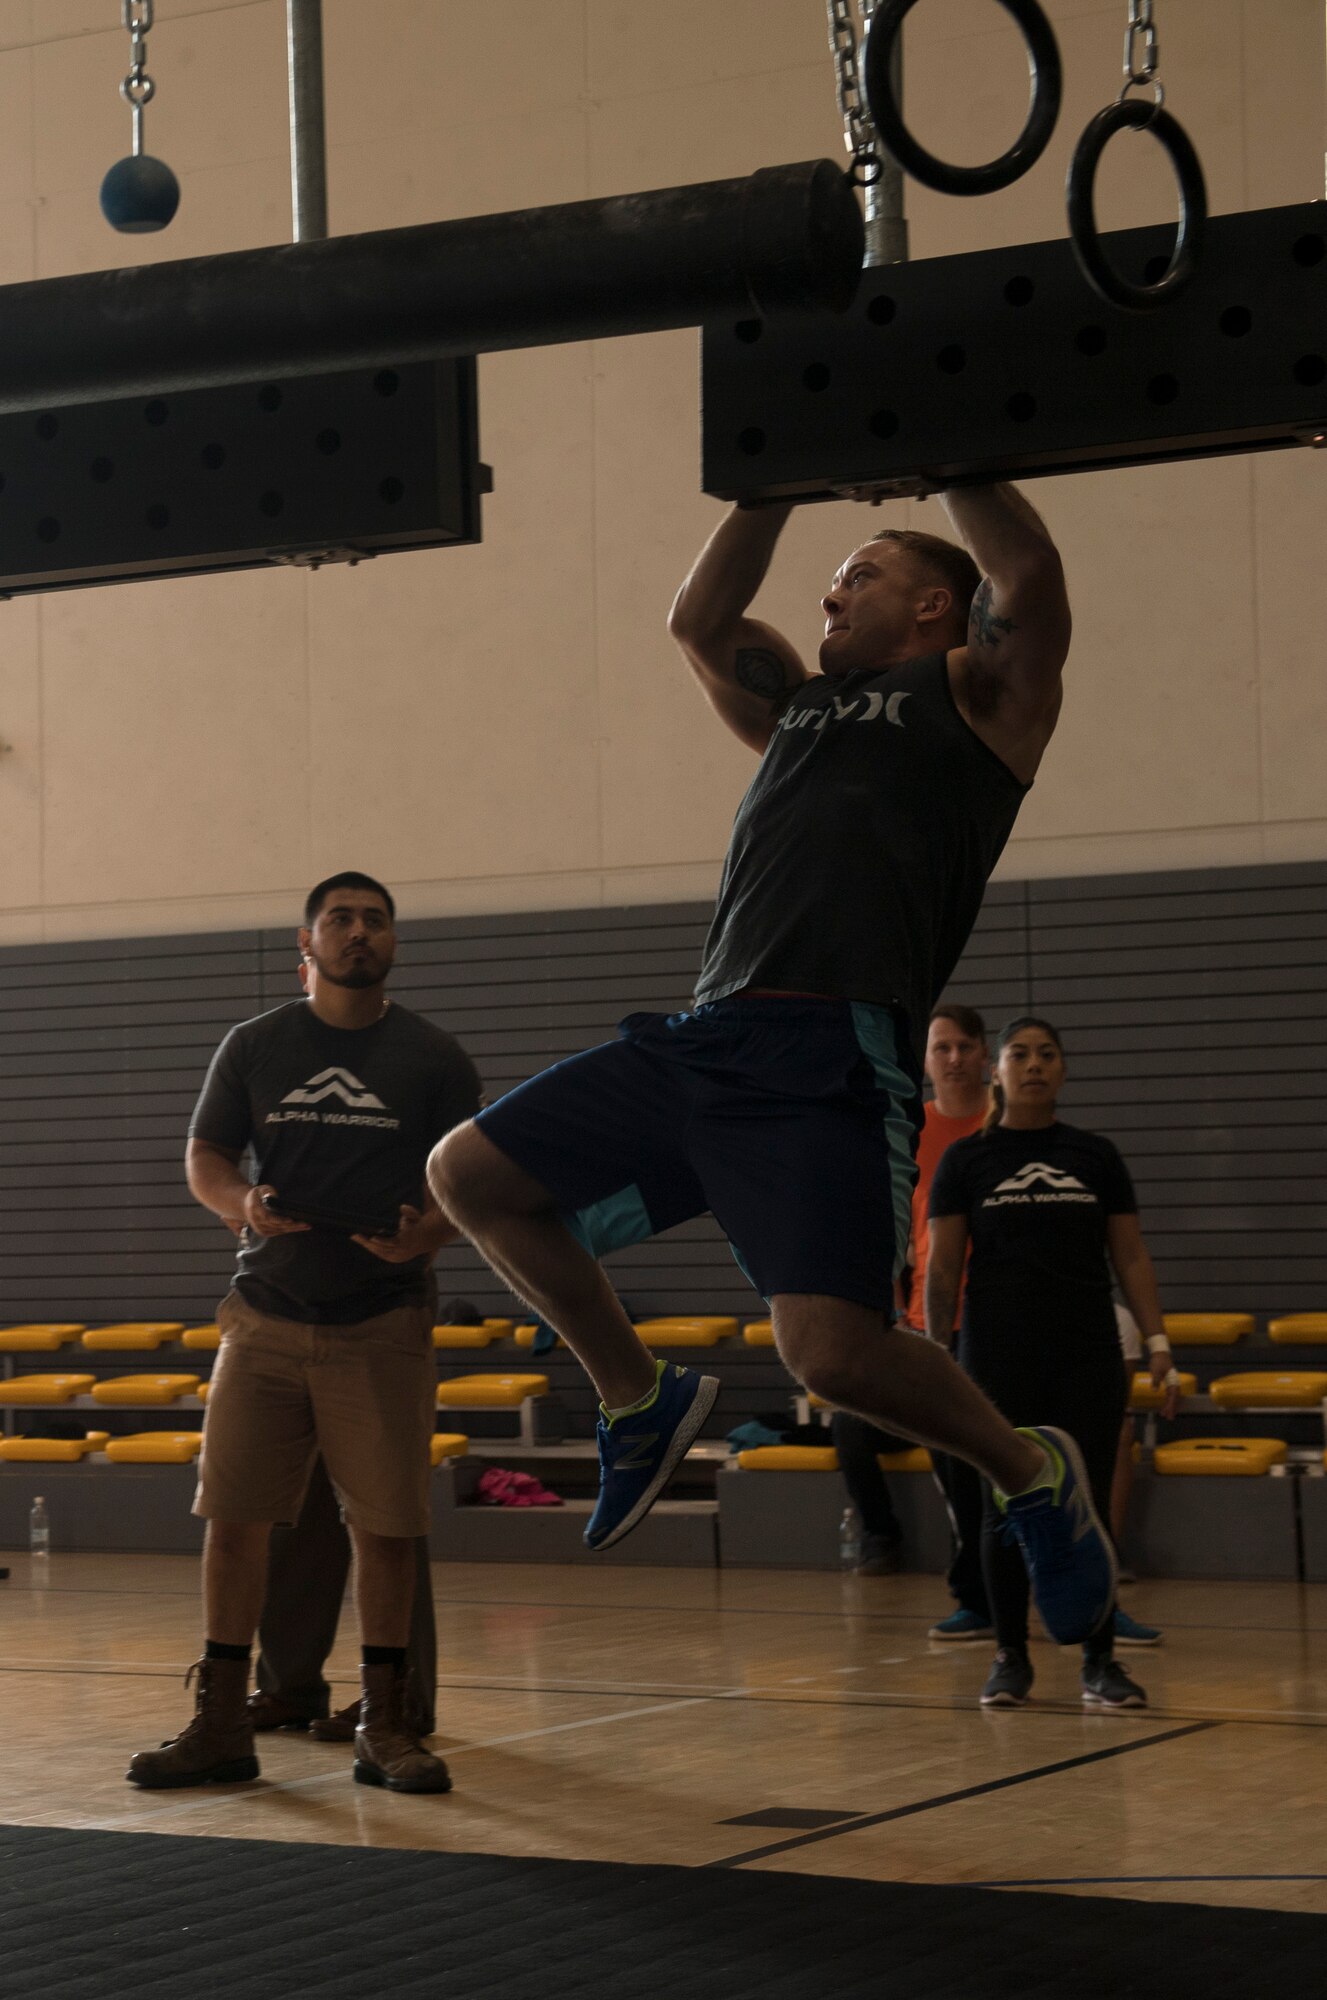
[357,977]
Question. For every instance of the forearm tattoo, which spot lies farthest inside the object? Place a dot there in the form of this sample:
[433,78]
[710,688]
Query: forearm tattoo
[760,672]
[984,628]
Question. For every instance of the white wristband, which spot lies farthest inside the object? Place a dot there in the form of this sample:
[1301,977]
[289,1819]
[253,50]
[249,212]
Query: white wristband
[1157,1343]
[1172,1378]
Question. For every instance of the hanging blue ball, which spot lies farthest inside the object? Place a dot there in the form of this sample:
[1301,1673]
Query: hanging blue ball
[139,194]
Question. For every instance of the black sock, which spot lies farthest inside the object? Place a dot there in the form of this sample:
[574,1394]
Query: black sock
[213,1649]
[385,1656]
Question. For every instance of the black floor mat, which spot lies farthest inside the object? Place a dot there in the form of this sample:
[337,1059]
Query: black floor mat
[105,1915]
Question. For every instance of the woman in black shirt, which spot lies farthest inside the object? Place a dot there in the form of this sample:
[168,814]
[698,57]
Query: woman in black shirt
[1048,1209]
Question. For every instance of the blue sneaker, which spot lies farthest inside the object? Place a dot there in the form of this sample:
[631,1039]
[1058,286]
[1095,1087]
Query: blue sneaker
[962,1624]
[1128,1631]
[639,1452]
[1070,1558]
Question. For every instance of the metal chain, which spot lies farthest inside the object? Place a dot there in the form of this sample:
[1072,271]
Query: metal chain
[138,88]
[859,136]
[1142,53]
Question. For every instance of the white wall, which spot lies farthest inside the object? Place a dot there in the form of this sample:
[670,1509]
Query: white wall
[506,727]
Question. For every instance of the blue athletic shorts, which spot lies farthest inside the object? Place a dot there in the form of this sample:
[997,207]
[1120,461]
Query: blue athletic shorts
[793,1121]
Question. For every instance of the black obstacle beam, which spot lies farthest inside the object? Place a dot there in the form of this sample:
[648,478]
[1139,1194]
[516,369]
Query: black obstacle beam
[1006,364]
[783,238]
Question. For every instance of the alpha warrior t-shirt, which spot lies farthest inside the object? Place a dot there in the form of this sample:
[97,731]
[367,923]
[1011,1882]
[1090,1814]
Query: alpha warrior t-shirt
[1037,1205]
[338,1118]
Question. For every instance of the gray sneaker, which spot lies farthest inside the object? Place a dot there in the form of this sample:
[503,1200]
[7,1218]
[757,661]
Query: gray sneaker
[1108,1686]
[1009,1683]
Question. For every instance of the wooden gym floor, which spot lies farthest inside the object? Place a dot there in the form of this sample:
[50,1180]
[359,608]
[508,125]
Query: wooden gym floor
[647,1715]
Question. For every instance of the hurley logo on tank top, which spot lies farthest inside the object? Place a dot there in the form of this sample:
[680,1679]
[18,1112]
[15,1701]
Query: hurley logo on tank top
[360,1101]
[1037,1183]
[857,708]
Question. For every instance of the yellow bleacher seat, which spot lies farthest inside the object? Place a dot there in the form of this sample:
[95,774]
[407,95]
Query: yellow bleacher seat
[201,1339]
[1300,1389]
[525,1336]
[1145,1395]
[137,1391]
[155,1448]
[471,1336]
[759,1333]
[686,1332]
[50,1451]
[489,1392]
[1206,1329]
[789,1458]
[204,1390]
[447,1444]
[1291,1330]
[45,1389]
[915,1459]
[132,1336]
[814,1402]
[39,1338]
[1231,1458]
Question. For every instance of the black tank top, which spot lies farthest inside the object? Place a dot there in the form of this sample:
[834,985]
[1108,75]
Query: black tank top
[861,852]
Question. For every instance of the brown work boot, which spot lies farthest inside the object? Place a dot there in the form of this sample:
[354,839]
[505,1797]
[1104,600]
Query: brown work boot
[216,1748]
[387,1750]
[273,1711]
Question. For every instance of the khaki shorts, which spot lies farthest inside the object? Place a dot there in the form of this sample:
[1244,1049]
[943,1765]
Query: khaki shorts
[283,1391]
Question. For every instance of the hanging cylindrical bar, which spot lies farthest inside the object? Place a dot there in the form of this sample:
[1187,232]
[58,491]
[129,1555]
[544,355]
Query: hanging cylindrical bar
[886,225]
[308,138]
[786,237]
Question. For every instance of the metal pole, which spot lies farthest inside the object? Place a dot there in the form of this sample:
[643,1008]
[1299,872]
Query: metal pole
[886,228]
[784,238]
[308,139]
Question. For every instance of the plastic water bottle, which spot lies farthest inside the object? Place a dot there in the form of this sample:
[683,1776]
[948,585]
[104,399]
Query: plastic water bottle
[850,1540]
[39,1533]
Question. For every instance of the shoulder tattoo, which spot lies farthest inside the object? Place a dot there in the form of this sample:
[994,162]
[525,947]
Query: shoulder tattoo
[984,628]
[760,672]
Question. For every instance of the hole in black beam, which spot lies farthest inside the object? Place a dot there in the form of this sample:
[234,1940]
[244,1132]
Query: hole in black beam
[1162,389]
[1309,370]
[47,426]
[951,360]
[884,423]
[1021,407]
[269,397]
[881,310]
[328,442]
[213,456]
[102,469]
[1155,269]
[748,330]
[155,412]
[48,529]
[1235,322]
[751,441]
[158,515]
[391,490]
[1309,249]
[270,502]
[1090,340]
[1019,291]
[386,381]
[815,377]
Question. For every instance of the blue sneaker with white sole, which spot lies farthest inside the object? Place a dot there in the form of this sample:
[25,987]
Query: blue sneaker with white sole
[1070,1558]
[640,1450]
[1131,1632]
[962,1625]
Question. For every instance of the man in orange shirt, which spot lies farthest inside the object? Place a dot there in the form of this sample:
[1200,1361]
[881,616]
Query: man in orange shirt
[956,1058]
[955,1061]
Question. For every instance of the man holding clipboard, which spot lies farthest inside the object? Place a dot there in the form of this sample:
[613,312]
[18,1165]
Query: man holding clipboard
[326,1335]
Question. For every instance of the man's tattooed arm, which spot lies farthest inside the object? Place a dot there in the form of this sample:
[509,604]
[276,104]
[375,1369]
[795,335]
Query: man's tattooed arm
[984,628]
[761,672]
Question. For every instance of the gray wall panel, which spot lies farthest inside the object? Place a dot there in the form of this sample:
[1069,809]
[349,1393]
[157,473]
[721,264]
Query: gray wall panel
[1194,1006]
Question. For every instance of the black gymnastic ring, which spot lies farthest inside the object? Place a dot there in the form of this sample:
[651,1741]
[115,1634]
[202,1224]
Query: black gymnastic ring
[1047,87]
[1100,273]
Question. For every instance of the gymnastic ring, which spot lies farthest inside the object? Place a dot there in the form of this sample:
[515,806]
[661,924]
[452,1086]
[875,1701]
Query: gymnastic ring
[1083,233]
[1043,53]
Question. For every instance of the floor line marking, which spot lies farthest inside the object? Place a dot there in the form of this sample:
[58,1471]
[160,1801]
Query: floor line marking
[1065,1881]
[954,1798]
